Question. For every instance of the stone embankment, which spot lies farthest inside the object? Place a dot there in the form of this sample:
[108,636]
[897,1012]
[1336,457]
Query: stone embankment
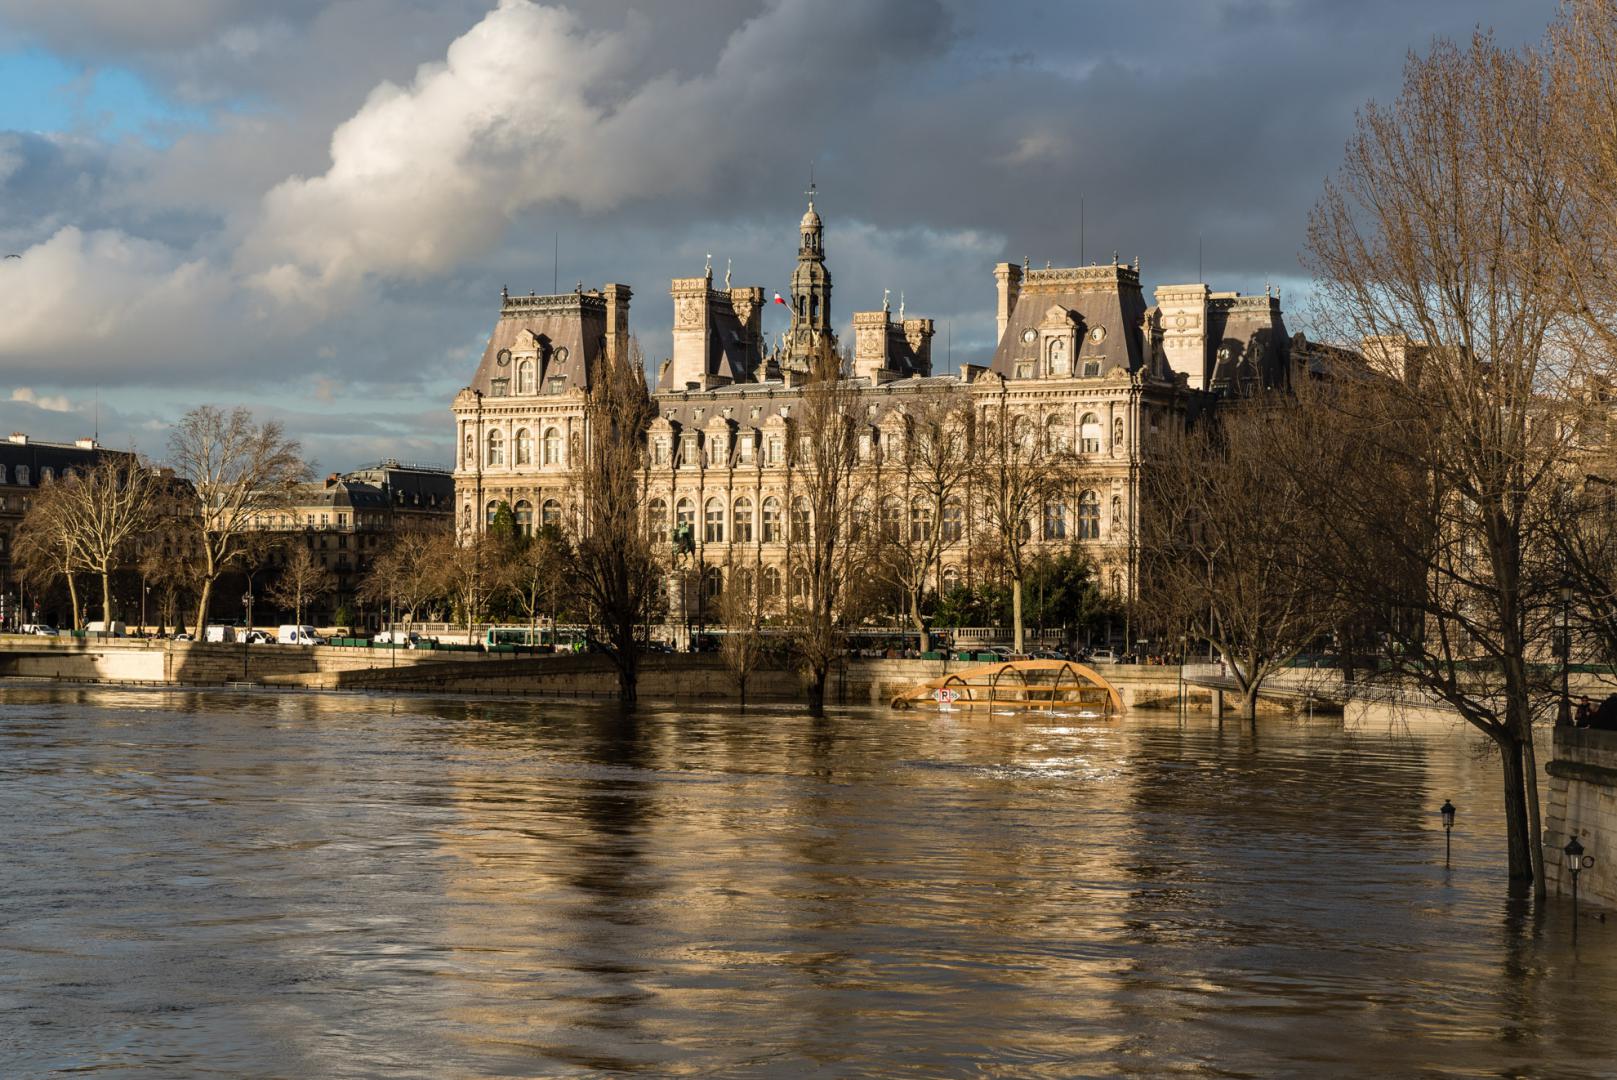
[1582,802]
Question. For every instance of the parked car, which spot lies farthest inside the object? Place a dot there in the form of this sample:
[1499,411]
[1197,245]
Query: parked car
[258,637]
[408,638]
[181,635]
[298,635]
[1047,654]
[218,633]
[39,629]
[1102,656]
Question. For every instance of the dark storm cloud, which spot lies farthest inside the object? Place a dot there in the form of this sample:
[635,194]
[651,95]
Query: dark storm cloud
[258,251]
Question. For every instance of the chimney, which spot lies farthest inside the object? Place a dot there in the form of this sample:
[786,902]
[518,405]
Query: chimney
[85,444]
[1008,285]
[19,438]
[331,480]
[617,319]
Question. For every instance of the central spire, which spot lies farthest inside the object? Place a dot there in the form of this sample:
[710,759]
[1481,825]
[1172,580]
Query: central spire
[811,288]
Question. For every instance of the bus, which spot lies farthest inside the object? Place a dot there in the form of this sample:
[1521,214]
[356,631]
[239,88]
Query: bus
[537,638]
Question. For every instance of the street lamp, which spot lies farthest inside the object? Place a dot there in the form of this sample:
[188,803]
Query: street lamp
[1447,810]
[247,629]
[1183,645]
[1563,715]
[1576,861]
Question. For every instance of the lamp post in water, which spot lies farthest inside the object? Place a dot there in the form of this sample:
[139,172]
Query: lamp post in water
[1447,810]
[247,628]
[1576,861]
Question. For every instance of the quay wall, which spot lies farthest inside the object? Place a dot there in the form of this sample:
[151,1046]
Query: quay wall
[1582,802]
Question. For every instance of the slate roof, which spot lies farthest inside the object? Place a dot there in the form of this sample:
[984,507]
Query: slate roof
[1106,296]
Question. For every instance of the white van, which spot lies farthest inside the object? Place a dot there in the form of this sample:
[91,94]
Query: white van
[298,635]
[408,638]
[218,632]
[107,629]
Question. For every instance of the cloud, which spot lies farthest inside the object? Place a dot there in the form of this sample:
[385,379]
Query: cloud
[80,299]
[50,403]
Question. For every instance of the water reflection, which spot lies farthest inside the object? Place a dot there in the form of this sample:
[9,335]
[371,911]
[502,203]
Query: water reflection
[339,886]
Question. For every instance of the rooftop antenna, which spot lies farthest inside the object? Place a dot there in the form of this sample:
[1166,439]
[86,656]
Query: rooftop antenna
[1080,230]
[811,188]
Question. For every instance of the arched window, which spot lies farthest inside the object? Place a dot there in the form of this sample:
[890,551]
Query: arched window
[525,377]
[685,514]
[713,522]
[550,514]
[657,521]
[800,587]
[920,522]
[1089,434]
[892,519]
[712,584]
[718,450]
[951,579]
[859,520]
[741,582]
[771,582]
[522,513]
[1055,433]
[496,447]
[742,520]
[771,522]
[1055,519]
[550,447]
[489,513]
[954,522]
[1058,356]
[522,447]
[1089,516]
[800,520]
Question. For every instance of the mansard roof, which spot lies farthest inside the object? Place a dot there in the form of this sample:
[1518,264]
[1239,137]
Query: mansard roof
[1106,297]
[566,332]
[1247,339]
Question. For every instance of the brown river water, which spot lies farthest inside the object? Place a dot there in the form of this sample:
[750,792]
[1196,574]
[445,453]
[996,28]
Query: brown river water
[251,885]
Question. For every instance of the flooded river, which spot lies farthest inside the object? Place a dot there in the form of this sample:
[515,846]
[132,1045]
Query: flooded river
[246,885]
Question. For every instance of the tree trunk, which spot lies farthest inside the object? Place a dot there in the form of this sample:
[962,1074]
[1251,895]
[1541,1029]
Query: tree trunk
[1016,612]
[106,598]
[1249,702]
[1518,844]
[920,624]
[202,603]
[815,689]
[628,679]
[1535,828]
[73,596]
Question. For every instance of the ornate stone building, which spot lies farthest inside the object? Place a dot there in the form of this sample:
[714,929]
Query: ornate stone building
[1082,359]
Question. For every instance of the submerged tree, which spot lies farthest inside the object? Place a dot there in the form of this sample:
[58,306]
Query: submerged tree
[824,470]
[1225,552]
[1436,245]
[614,568]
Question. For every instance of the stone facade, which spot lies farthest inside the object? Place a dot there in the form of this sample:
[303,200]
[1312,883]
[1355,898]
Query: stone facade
[1583,803]
[1100,373]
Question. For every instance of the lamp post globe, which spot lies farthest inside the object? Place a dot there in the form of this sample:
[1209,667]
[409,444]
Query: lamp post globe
[1447,810]
[1576,861]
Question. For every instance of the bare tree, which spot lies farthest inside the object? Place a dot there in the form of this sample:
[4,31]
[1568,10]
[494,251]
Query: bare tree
[741,611]
[303,579]
[824,474]
[1437,244]
[105,510]
[1020,473]
[1224,554]
[467,575]
[534,571]
[241,472]
[923,482]
[45,549]
[615,571]
[405,576]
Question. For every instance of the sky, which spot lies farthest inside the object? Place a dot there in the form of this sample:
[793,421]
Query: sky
[310,207]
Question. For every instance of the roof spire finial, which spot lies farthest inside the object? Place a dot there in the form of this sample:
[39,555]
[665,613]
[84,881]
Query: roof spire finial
[901,305]
[505,294]
[708,269]
[726,273]
[811,188]
[885,293]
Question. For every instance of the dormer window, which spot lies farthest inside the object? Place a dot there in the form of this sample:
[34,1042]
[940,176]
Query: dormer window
[558,384]
[499,388]
[1024,369]
[1091,369]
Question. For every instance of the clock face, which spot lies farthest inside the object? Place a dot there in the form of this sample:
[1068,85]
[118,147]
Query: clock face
[504,357]
[1030,335]
[1098,335]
